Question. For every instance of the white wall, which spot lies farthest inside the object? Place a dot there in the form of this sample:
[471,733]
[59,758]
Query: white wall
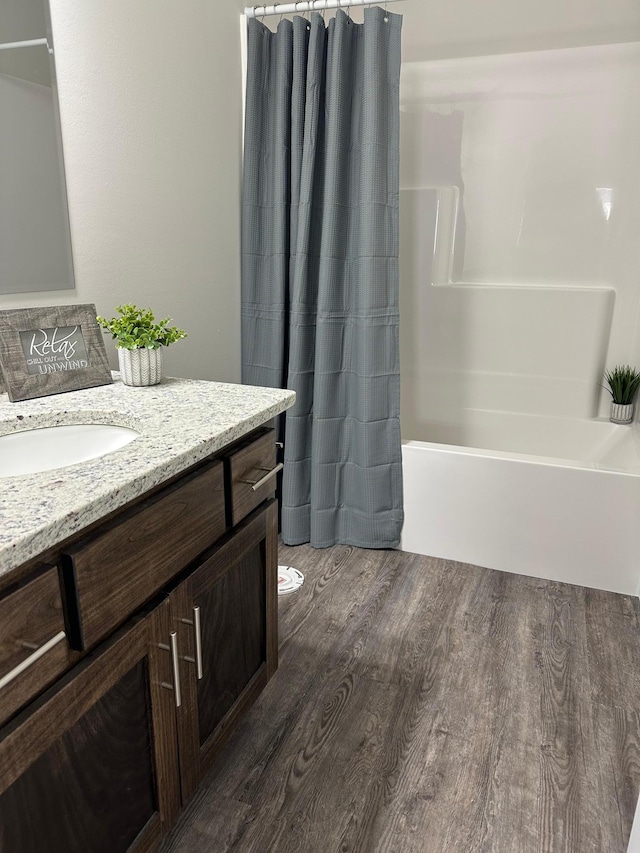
[440,29]
[537,283]
[151,116]
[151,112]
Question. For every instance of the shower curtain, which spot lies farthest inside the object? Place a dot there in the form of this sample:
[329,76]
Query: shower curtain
[320,267]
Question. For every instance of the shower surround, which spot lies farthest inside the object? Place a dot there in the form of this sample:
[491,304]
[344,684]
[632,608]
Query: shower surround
[520,283]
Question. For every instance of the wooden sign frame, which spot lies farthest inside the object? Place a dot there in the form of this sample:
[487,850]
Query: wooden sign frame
[51,350]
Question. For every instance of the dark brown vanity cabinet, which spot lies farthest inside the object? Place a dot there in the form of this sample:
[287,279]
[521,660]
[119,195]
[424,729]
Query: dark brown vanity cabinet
[103,760]
[92,765]
[226,613]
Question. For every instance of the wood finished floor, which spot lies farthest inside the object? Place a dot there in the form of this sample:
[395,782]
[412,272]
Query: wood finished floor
[425,705]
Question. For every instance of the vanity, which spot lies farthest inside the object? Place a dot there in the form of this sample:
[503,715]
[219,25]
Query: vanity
[138,610]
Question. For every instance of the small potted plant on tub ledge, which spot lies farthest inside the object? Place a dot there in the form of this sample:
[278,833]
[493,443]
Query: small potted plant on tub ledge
[623,382]
[139,341]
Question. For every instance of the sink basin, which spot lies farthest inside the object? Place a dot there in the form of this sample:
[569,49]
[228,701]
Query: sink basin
[48,448]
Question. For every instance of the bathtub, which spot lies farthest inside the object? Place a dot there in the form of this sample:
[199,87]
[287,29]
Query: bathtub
[555,498]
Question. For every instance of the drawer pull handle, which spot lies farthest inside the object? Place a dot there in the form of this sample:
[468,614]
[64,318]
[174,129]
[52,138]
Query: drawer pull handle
[39,652]
[175,663]
[271,472]
[197,630]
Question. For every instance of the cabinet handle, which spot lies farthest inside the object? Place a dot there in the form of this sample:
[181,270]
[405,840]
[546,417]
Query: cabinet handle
[197,630]
[27,662]
[175,663]
[271,472]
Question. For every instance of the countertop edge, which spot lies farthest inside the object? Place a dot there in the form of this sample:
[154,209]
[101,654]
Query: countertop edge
[24,549]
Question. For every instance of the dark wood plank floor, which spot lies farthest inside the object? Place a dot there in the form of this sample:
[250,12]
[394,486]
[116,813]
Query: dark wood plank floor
[425,705]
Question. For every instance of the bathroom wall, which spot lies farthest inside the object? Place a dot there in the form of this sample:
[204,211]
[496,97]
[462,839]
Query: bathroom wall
[520,210]
[151,111]
[439,29]
[151,117]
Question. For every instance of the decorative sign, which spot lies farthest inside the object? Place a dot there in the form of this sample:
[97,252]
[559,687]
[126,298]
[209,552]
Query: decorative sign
[50,350]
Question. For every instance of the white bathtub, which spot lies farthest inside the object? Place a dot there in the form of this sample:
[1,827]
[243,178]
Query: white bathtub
[555,498]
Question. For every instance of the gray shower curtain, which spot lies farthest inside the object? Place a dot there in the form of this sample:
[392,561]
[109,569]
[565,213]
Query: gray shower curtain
[320,267]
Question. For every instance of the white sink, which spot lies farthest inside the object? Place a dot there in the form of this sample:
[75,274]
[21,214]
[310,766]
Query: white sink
[48,448]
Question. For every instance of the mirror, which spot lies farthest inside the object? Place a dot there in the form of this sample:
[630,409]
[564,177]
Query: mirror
[35,241]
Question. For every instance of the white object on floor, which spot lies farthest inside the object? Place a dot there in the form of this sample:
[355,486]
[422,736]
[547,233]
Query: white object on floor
[289,580]
[634,841]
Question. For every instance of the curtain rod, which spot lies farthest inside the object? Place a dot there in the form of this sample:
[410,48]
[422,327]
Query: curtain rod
[309,6]
[12,45]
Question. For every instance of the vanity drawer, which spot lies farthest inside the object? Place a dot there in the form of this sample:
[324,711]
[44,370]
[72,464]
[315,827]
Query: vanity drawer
[117,569]
[33,643]
[247,467]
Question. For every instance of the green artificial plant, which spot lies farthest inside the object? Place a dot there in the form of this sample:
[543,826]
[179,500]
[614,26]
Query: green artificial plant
[623,382]
[136,328]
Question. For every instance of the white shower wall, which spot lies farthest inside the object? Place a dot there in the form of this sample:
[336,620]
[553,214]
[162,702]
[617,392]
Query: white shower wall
[520,231]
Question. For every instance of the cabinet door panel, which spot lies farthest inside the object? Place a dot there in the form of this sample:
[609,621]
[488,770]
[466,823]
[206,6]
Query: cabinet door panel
[81,769]
[236,592]
[233,637]
[71,786]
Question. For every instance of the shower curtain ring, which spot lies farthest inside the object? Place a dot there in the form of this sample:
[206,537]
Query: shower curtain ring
[303,12]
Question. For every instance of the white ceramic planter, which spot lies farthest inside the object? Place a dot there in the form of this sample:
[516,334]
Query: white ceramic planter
[621,414]
[140,367]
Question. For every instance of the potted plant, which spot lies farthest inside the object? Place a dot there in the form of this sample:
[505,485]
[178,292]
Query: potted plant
[623,382]
[139,341]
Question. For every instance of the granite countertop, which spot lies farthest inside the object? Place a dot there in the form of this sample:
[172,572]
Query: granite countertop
[181,422]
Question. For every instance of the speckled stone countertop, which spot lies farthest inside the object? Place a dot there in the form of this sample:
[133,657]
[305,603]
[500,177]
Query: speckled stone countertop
[180,422]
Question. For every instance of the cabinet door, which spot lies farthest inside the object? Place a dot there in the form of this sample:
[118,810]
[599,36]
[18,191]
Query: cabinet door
[227,612]
[92,765]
